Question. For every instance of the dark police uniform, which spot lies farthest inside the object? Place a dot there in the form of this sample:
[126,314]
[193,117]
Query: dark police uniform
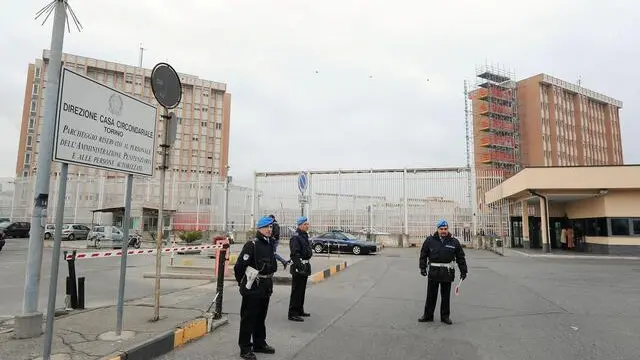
[440,253]
[275,233]
[255,301]
[301,253]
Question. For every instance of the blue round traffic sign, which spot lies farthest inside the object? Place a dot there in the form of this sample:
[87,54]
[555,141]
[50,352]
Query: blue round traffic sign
[303,182]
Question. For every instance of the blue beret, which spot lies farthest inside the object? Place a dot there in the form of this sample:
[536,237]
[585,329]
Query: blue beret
[301,220]
[264,222]
[442,223]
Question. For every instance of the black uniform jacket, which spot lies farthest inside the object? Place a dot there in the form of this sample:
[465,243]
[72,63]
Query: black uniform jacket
[442,250]
[300,249]
[275,233]
[258,254]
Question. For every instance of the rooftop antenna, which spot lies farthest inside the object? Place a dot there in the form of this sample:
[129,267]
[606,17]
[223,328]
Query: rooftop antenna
[50,7]
[579,81]
[28,325]
[141,55]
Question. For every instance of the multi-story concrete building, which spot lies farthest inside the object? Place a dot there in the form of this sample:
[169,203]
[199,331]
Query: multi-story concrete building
[202,144]
[563,124]
[538,121]
[542,121]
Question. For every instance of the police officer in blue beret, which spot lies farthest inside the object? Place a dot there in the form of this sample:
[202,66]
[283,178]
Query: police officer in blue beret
[440,252]
[254,272]
[301,253]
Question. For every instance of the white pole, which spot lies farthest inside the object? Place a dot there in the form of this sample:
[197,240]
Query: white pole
[406,204]
[13,199]
[254,192]
[198,204]
[75,210]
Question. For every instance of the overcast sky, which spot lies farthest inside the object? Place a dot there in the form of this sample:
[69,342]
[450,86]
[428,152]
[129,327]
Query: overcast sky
[342,83]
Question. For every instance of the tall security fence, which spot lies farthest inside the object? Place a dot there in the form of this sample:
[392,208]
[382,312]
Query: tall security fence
[191,203]
[387,202]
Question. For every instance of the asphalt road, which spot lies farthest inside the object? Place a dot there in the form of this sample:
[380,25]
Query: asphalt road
[102,277]
[510,308]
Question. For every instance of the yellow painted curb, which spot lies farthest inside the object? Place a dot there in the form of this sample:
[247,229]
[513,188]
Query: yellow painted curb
[328,272]
[178,338]
[194,330]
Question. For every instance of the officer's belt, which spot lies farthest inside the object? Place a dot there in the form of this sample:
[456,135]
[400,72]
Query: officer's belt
[304,261]
[265,276]
[445,265]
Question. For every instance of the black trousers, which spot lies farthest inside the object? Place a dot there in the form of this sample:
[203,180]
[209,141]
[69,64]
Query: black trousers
[253,313]
[432,297]
[298,291]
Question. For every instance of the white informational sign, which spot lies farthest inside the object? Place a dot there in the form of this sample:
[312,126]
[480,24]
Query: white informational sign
[101,127]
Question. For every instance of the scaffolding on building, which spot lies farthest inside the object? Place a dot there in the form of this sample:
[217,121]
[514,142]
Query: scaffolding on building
[495,126]
[496,115]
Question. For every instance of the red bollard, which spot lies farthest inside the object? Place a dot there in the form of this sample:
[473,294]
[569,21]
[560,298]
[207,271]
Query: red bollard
[221,240]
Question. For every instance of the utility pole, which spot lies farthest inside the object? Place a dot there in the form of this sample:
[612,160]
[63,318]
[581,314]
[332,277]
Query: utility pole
[225,216]
[29,323]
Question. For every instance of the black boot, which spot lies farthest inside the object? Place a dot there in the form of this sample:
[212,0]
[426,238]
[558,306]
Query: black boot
[248,355]
[447,321]
[264,349]
[425,318]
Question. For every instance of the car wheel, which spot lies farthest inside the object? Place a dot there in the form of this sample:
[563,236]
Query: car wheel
[356,250]
[47,236]
[318,248]
[97,244]
[72,237]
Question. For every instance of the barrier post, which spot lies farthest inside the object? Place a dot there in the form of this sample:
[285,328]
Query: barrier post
[221,253]
[71,264]
[81,292]
[221,257]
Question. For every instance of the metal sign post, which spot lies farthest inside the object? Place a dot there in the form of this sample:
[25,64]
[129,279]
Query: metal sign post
[303,184]
[167,89]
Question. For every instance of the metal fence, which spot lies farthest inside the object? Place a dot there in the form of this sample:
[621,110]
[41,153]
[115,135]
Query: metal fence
[196,202]
[390,202]
[385,202]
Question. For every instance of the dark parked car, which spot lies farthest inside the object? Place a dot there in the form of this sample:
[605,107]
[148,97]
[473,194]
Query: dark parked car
[342,242]
[18,229]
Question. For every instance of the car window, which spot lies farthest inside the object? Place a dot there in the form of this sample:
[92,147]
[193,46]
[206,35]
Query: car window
[98,229]
[349,236]
[327,236]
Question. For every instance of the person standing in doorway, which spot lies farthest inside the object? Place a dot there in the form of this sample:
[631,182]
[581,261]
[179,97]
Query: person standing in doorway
[439,252]
[300,270]
[275,236]
[254,272]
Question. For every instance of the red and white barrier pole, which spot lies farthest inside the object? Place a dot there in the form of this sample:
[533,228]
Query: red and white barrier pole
[114,253]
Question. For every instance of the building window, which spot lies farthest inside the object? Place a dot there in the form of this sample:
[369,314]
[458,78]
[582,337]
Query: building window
[32,123]
[33,106]
[635,226]
[37,72]
[35,89]
[27,158]
[218,126]
[29,140]
[619,226]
